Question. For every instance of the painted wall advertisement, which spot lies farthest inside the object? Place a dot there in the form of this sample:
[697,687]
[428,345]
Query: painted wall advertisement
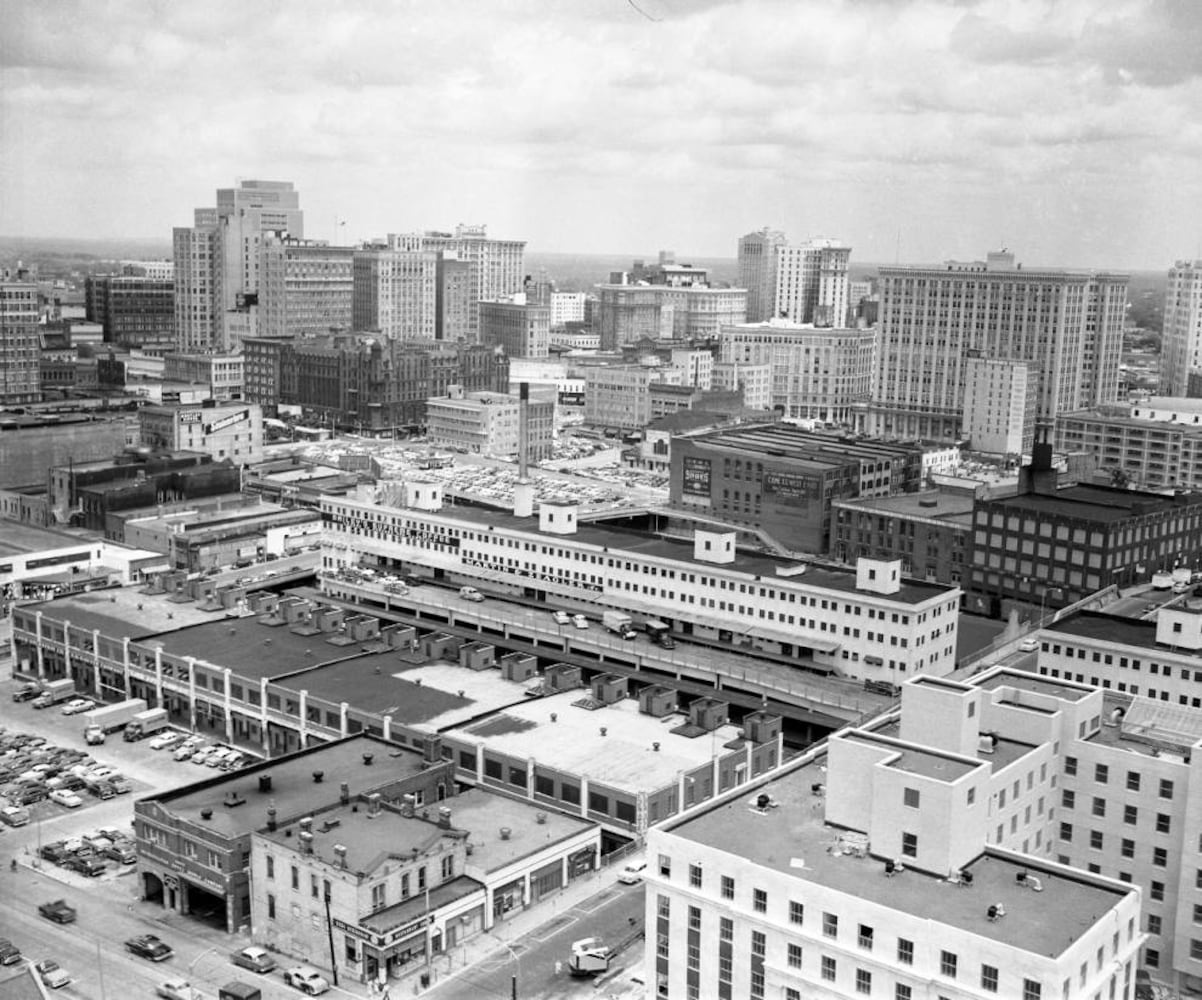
[696,479]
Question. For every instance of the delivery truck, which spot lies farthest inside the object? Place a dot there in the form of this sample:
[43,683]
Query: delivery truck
[659,633]
[54,692]
[99,722]
[619,623]
[145,724]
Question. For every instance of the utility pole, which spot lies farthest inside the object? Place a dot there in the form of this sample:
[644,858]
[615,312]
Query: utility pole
[330,935]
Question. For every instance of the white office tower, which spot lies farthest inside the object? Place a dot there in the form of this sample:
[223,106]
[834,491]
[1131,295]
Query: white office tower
[395,292]
[1181,346]
[757,271]
[811,282]
[999,406]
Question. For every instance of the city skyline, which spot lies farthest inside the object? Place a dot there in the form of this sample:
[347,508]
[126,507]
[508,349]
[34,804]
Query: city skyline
[915,132]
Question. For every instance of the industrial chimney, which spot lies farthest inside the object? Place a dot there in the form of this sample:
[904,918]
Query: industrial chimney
[523,490]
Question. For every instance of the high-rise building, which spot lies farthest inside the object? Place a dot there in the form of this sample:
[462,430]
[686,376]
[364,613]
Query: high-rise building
[757,271]
[520,326]
[394,293]
[305,288]
[20,346]
[135,311]
[567,307]
[811,282]
[218,262]
[999,406]
[494,266]
[453,306]
[817,374]
[1066,325]
[627,313]
[1181,346]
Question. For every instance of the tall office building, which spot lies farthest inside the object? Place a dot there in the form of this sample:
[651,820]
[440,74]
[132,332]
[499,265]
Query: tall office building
[20,345]
[1181,347]
[135,311]
[521,327]
[1066,325]
[999,406]
[811,282]
[757,272]
[218,262]
[453,306]
[305,288]
[394,293]
[494,266]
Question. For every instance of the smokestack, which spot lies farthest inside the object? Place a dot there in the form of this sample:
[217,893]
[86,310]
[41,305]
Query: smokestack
[373,804]
[271,817]
[523,489]
[344,793]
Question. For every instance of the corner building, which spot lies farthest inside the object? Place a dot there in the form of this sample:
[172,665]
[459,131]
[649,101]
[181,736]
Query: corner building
[905,860]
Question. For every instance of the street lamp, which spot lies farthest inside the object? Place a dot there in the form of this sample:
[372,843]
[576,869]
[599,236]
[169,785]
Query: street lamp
[192,964]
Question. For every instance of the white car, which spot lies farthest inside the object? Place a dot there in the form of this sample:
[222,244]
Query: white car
[176,989]
[1028,645]
[165,741]
[66,798]
[470,594]
[632,874]
[52,974]
[562,618]
[306,979]
[580,621]
[218,756]
[186,751]
[101,773]
[77,705]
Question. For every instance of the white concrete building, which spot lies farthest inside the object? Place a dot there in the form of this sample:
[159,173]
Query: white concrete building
[754,381]
[698,367]
[811,282]
[487,423]
[757,271]
[232,431]
[1181,350]
[567,307]
[1000,398]
[906,860]
[394,292]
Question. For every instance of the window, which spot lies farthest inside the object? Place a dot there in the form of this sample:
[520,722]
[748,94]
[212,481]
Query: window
[1133,781]
[448,867]
[665,866]
[1156,891]
[313,885]
[794,956]
[1068,798]
[270,906]
[1160,857]
[797,912]
[910,797]
[989,978]
[947,964]
[694,918]
[910,845]
[759,900]
[1166,788]
[1152,958]
[1153,923]
[1032,990]
[295,877]
[1066,831]
[829,968]
[1163,823]
[759,944]
[728,887]
[830,925]
[378,897]
[270,866]
[1101,773]
[695,876]
[865,937]
[1099,806]
[792,994]
[1070,765]
[905,951]
[902,992]
[1127,848]
[1130,815]
[1095,839]
[1195,949]
[863,981]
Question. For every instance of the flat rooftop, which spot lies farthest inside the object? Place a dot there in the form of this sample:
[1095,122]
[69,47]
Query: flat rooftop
[1101,504]
[623,758]
[1098,626]
[793,840]
[938,506]
[293,789]
[124,611]
[1035,683]
[18,538]
[920,760]
[483,814]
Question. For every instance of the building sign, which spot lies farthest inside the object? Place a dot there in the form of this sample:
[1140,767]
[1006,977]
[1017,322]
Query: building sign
[356,932]
[224,422]
[189,416]
[696,479]
[541,575]
[793,490]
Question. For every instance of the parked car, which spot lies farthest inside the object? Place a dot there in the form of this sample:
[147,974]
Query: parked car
[469,594]
[121,853]
[90,866]
[27,692]
[306,979]
[14,816]
[186,750]
[164,741]
[60,911]
[580,621]
[632,874]
[255,959]
[78,705]
[150,946]
[10,954]
[233,762]
[52,974]
[177,989]
[120,784]
[55,852]
[218,755]
[562,618]
[102,790]
[1028,645]
[66,798]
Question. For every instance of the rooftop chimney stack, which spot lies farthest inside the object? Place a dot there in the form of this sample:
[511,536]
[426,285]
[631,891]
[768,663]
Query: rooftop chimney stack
[306,842]
[340,854]
[373,804]
[344,793]
[408,805]
[271,824]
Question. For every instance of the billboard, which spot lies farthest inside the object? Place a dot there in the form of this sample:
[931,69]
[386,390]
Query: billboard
[791,489]
[696,478]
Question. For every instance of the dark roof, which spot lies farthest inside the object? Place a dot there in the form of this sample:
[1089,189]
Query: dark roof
[787,441]
[1101,627]
[1103,504]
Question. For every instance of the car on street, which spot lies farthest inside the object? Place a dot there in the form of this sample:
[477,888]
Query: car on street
[10,954]
[59,911]
[176,989]
[255,959]
[52,974]
[306,979]
[561,617]
[1028,645]
[632,874]
[149,946]
[27,692]
[580,621]
[470,594]
[102,790]
[77,705]
[66,798]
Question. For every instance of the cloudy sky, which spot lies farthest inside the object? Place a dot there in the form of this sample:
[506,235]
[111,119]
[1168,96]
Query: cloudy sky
[1067,130]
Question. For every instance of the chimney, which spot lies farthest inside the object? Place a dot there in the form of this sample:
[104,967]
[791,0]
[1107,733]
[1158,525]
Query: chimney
[523,490]
[444,817]
[306,823]
[367,759]
[264,782]
[340,854]
[344,793]
[306,842]
[373,804]
[408,805]
[505,832]
[271,824]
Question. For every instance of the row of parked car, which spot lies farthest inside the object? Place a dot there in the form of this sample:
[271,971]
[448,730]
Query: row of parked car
[198,751]
[89,855]
[33,770]
[48,970]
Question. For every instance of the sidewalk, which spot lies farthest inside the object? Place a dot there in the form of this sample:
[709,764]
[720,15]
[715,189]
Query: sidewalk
[494,946]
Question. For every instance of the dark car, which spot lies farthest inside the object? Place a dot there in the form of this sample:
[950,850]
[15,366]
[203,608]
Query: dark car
[59,911]
[56,852]
[26,692]
[150,946]
[10,954]
[27,795]
[71,782]
[90,866]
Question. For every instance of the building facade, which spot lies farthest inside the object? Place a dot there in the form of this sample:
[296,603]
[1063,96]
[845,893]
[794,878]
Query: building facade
[757,272]
[999,406]
[1181,349]
[488,423]
[453,304]
[811,283]
[306,288]
[20,345]
[520,327]
[626,313]
[567,307]
[135,312]
[618,395]
[394,293]
[752,380]
[233,431]
[816,374]
[223,374]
